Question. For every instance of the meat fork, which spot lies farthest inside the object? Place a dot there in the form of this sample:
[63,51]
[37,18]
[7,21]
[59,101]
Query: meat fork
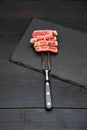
[46,69]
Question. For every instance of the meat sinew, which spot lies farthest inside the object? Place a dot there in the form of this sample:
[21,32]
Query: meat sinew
[46,49]
[44,32]
[46,43]
[43,37]
[45,40]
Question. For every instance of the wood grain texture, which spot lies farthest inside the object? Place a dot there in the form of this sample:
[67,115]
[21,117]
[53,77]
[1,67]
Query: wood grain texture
[21,89]
[39,119]
[42,9]
[25,93]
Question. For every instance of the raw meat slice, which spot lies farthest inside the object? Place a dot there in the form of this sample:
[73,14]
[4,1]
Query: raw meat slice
[43,37]
[53,49]
[46,43]
[46,49]
[44,32]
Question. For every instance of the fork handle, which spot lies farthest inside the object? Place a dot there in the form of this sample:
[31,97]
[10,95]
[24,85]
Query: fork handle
[48,98]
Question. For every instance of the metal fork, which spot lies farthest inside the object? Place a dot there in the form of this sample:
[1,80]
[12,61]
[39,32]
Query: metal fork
[46,68]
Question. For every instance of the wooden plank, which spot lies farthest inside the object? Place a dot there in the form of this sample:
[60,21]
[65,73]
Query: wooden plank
[39,119]
[13,26]
[54,9]
[12,29]
[22,87]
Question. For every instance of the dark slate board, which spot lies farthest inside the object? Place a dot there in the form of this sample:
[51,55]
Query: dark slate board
[70,64]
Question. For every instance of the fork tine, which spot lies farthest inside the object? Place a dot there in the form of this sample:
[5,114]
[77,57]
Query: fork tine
[43,61]
[48,64]
[49,61]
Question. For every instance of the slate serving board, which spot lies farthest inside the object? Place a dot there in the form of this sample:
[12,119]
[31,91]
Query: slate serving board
[70,64]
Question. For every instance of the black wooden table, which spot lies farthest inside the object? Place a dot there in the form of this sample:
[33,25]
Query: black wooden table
[21,89]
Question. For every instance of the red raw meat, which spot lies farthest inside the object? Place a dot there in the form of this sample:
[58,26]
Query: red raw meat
[44,32]
[43,37]
[46,43]
[45,40]
[46,48]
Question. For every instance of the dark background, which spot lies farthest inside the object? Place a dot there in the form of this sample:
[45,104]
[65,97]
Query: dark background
[21,89]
